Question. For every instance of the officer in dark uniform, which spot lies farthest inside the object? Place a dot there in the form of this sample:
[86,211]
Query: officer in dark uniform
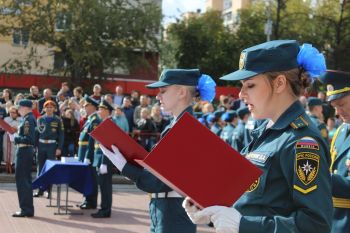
[338,94]
[240,135]
[87,147]
[293,194]
[315,113]
[230,118]
[25,141]
[177,89]
[103,167]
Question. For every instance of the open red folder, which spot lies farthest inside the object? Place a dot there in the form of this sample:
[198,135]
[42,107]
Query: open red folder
[108,133]
[8,128]
[196,163]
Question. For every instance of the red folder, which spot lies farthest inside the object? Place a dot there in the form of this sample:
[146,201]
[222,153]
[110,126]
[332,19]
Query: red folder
[108,133]
[196,163]
[8,128]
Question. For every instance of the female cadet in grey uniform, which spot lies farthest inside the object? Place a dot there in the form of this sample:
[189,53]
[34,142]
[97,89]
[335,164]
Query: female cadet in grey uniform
[294,192]
[338,94]
[177,89]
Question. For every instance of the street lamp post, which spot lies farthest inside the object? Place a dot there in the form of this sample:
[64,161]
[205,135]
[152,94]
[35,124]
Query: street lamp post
[268,24]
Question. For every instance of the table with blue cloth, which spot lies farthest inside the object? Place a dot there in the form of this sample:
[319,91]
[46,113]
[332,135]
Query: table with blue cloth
[75,175]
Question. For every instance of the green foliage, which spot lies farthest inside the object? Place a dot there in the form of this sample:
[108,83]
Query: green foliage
[202,42]
[92,35]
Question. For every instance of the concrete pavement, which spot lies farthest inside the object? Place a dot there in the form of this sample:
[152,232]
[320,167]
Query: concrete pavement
[129,214]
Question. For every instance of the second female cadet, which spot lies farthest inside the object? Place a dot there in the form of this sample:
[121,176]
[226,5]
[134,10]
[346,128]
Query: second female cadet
[177,88]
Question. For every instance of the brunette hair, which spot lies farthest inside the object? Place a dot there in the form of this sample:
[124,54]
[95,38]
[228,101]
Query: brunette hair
[298,79]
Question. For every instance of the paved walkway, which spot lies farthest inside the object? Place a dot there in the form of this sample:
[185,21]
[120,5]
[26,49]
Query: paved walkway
[129,214]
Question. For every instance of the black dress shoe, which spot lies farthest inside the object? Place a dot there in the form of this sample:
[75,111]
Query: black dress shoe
[101,214]
[87,206]
[20,214]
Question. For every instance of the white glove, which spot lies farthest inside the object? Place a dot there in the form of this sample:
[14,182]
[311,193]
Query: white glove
[12,136]
[192,211]
[103,169]
[87,161]
[225,219]
[116,157]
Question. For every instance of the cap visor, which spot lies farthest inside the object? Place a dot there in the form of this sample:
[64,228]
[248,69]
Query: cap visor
[157,85]
[239,75]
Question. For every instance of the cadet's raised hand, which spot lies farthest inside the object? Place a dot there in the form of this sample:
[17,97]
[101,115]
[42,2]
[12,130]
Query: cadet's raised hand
[192,212]
[225,219]
[115,156]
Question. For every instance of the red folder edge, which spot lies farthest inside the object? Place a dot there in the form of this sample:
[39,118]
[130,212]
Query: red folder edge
[108,133]
[255,172]
[8,128]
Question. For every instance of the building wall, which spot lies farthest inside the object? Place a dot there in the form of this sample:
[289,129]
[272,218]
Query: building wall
[11,51]
[216,5]
[228,8]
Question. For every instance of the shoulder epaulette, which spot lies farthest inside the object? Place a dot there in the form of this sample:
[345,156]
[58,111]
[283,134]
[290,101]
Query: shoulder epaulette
[299,122]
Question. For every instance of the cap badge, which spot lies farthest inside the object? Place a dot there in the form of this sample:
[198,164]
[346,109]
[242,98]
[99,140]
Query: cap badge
[242,60]
[330,88]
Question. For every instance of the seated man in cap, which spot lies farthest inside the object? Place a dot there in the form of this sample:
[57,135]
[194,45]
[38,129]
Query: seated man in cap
[25,141]
[103,166]
[51,138]
[215,123]
[240,135]
[231,120]
[87,147]
[177,88]
[316,115]
[338,94]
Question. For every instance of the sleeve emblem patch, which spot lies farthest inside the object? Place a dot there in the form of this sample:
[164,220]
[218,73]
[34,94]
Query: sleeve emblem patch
[307,166]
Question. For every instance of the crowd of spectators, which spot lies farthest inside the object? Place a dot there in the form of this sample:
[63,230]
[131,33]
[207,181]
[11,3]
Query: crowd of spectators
[137,114]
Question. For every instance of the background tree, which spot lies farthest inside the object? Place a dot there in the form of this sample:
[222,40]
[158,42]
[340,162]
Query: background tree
[90,36]
[201,42]
[333,28]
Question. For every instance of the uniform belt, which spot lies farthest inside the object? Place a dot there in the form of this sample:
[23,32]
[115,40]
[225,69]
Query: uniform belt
[47,141]
[166,195]
[83,143]
[341,203]
[23,145]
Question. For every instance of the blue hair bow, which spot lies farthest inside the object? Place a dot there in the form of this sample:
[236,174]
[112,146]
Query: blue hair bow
[206,88]
[311,60]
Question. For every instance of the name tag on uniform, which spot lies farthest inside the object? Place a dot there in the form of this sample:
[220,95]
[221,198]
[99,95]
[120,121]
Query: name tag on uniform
[257,157]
